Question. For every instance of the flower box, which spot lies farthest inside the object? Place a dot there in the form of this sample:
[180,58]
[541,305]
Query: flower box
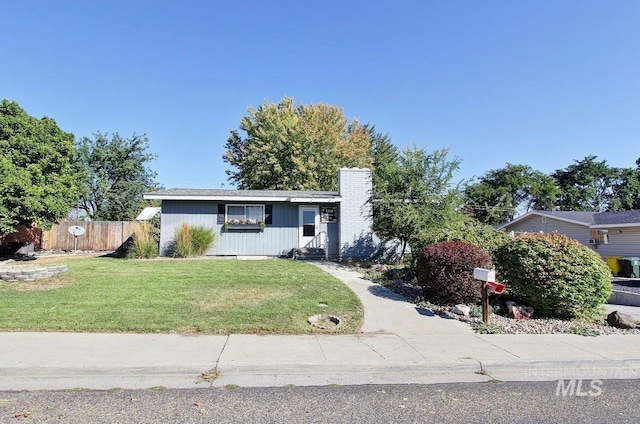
[243,227]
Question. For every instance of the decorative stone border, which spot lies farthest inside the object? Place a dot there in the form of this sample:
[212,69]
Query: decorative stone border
[14,274]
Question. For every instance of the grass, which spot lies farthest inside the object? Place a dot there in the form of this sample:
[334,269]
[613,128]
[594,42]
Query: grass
[179,296]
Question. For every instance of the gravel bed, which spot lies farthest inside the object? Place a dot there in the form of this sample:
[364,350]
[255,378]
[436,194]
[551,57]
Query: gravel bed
[506,325]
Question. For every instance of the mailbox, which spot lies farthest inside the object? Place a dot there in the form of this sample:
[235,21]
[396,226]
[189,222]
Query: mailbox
[484,274]
[488,277]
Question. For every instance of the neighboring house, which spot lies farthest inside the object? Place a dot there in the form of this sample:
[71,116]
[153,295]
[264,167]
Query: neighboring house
[608,233]
[148,213]
[274,222]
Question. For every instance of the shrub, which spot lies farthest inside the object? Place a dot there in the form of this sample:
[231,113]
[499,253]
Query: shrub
[444,270]
[201,239]
[192,241]
[556,275]
[482,235]
[145,246]
[183,247]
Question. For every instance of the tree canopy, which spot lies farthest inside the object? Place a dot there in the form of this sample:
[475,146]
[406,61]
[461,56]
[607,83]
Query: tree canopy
[591,185]
[414,200]
[625,190]
[585,185]
[289,147]
[38,183]
[502,193]
[117,175]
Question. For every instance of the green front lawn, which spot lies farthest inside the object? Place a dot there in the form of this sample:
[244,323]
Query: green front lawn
[181,296]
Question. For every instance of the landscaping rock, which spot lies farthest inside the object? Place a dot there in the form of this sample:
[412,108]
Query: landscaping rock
[519,311]
[618,320]
[379,267]
[461,310]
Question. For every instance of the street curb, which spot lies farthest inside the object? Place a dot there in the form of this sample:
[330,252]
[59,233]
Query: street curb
[624,298]
[549,370]
[468,370]
[100,378]
[472,372]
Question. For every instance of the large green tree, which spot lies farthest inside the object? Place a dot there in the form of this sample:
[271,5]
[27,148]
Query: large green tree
[38,183]
[625,190]
[118,175]
[500,194]
[281,146]
[416,201]
[384,153]
[586,185]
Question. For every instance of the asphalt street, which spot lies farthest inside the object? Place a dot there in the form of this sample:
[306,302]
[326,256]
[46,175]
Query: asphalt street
[608,401]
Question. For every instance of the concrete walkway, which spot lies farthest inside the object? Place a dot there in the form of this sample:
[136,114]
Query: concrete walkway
[399,343]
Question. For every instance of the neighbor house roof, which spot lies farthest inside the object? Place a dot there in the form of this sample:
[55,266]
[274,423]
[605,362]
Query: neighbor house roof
[293,196]
[617,219]
[588,219]
[148,213]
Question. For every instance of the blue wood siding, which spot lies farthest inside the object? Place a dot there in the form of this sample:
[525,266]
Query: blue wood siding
[278,237]
[333,231]
[174,213]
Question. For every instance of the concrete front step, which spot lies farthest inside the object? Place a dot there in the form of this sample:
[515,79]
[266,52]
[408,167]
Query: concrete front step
[309,254]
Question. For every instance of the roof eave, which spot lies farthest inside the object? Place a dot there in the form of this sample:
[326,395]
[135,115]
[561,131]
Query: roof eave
[546,215]
[613,225]
[286,199]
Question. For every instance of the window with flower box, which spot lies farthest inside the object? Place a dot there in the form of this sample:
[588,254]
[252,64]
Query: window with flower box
[244,217]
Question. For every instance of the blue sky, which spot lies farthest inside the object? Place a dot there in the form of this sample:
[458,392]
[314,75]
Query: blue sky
[539,83]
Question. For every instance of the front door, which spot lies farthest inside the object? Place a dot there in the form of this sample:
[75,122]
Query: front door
[309,221]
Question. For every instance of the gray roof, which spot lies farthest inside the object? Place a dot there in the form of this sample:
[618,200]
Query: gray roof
[220,193]
[590,219]
[622,217]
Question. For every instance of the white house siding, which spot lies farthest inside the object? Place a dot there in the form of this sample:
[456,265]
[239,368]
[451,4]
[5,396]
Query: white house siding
[356,235]
[535,224]
[622,242]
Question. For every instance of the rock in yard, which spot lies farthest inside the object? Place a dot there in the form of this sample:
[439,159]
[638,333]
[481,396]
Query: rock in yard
[519,311]
[379,267]
[461,310]
[616,319]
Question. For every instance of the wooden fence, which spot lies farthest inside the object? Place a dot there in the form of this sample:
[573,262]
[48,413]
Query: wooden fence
[99,235]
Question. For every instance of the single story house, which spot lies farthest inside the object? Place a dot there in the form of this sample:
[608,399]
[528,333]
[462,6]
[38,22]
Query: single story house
[334,224]
[608,233]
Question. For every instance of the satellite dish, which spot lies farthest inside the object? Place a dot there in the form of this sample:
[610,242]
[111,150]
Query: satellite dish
[76,230]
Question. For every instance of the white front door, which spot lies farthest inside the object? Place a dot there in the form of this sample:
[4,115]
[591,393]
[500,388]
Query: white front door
[309,221]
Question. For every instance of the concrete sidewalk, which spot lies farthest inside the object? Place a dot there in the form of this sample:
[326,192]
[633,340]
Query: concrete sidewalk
[399,343]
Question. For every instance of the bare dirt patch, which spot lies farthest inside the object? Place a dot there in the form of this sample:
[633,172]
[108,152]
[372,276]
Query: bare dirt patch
[44,284]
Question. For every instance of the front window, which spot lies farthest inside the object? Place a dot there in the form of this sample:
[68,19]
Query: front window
[245,214]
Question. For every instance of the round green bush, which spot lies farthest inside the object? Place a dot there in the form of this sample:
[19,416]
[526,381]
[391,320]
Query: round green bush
[556,275]
[482,235]
[444,270]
